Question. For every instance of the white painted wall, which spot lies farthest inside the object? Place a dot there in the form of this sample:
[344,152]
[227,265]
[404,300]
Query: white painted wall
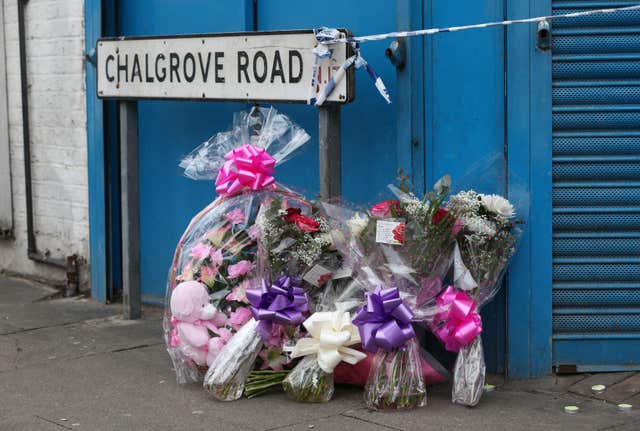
[55,48]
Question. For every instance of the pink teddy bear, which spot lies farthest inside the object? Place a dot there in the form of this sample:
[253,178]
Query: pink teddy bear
[192,315]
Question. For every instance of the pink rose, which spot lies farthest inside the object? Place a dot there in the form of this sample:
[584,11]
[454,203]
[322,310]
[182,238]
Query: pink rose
[201,251]
[235,216]
[239,269]
[383,209]
[240,317]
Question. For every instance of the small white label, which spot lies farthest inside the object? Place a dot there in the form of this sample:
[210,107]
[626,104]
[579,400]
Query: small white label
[390,232]
[317,275]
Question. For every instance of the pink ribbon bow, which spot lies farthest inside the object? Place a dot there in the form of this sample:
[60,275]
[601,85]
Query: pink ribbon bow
[246,168]
[462,323]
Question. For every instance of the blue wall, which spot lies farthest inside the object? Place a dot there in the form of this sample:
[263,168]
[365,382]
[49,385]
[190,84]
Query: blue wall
[169,130]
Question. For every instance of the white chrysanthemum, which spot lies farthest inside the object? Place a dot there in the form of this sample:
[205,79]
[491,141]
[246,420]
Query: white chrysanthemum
[498,205]
[479,225]
[357,224]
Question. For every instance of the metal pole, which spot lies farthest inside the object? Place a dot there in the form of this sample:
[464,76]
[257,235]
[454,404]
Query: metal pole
[130,213]
[330,151]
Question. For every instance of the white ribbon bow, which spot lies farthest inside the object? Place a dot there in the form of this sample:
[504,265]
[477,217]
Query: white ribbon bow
[331,332]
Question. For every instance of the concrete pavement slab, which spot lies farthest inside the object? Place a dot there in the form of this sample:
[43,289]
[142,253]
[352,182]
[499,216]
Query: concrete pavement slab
[583,387]
[505,410]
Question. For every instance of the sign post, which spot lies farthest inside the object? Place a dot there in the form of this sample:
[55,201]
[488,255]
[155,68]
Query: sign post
[251,67]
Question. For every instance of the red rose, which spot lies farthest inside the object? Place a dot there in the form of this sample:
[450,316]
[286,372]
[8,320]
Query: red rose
[440,214]
[305,224]
[291,215]
[383,209]
[398,233]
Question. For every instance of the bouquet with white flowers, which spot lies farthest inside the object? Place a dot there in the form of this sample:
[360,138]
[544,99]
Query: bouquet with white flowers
[485,244]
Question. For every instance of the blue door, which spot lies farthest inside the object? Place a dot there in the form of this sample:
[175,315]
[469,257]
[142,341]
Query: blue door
[464,118]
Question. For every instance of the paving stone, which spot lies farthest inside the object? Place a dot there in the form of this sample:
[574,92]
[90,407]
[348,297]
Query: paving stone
[623,390]
[583,387]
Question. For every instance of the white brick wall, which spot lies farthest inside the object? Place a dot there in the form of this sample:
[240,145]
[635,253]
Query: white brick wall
[55,48]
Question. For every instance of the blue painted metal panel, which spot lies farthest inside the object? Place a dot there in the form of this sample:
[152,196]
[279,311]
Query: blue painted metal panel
[410,99]
[169,130]
[596,247]
[464,119]
[369,159]
[528,94]
[95,159]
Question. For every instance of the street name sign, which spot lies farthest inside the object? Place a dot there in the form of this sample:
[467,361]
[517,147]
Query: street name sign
[256,66]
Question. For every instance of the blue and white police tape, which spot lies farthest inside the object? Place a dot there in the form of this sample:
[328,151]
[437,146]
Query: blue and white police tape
[327,36]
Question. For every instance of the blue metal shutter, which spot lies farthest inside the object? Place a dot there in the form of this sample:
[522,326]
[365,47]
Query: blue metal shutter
[596,188]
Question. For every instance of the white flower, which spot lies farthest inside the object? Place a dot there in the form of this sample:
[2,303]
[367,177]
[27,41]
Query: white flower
[498,205]
[357,224]
[479,225]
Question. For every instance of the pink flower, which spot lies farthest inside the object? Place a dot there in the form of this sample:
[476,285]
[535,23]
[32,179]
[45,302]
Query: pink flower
[272,358]
[457,227]
[239,269]
[216,257]
[253,231]
[240,317]
[201,251]
[275,338]
[208,274]
[216,235]
[224,333]
[239,293]
[383,209]
[219,319]
[305,224]
[235,216]
[215,345]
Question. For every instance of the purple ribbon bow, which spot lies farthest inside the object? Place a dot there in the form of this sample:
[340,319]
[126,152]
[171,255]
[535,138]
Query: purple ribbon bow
[385,322]
[280,303]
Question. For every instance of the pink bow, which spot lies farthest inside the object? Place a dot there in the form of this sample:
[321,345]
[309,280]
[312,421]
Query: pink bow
[462,323]
[247,167]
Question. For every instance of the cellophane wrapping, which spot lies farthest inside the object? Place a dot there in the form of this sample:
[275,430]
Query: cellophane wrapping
[469,374]
[308,382]
[404,243]
[485,244]
[225,379]
[218,250]
[294,241]
[395,381]
[219,246]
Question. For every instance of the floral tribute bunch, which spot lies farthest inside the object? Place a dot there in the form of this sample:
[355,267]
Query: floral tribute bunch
[296,258]
[484,246]
[219,248]
[402,250]
[268,289]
